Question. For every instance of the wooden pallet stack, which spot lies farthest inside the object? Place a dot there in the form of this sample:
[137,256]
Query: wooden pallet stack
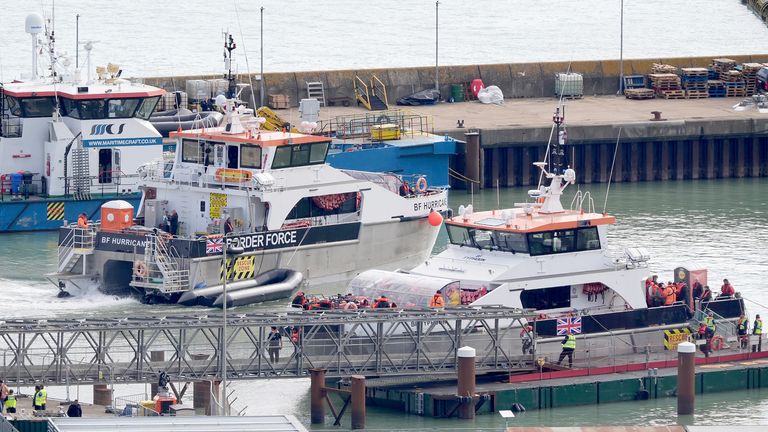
[734,83]
[667,85]
[749,70]
[694,82]
[716,88]
[661,68]
[639,93]
[279,101]
[723,65]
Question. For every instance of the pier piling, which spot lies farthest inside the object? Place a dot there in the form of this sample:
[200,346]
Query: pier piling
[317,408]
[358,402]
[465,388]
[102,395]
[686,378]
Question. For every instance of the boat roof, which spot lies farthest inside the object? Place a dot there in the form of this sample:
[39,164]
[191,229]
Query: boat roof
[119,89]
[406,140]
[520,222]
[261,138]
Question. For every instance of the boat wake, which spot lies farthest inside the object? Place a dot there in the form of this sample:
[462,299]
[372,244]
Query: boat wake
[38,299]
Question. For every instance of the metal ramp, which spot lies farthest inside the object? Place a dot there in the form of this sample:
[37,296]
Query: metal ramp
[81,179]
[162,269]
[372,95]
[315,90]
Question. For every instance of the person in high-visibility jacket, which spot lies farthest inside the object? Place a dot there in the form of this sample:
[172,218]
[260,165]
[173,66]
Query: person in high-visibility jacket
[742,328]
[757,330]
[569,346]
[710,321]
[10,402]
[41,397]
[437,300]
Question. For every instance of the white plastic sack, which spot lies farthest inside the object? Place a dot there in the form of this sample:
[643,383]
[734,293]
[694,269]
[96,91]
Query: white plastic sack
[491,94]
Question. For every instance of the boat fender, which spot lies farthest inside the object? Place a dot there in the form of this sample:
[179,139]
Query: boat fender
[140,269]
[421,185]
[717,343]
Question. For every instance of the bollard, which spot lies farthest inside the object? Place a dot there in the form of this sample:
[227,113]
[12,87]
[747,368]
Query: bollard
[102,395]
[358,402]
[155,356]
[466,382]
[686,378]
[316,405]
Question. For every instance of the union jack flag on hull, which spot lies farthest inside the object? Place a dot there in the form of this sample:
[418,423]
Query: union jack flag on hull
[568,323]
[214,245]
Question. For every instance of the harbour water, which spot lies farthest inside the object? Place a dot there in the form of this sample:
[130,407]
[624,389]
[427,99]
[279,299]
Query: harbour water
[151,38]
[720,224]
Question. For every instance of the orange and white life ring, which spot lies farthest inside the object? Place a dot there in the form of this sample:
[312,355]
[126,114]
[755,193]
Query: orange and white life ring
[421,185]
[717,343]
[140,269]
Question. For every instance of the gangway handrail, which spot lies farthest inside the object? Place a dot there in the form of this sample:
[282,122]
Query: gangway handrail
[380,87]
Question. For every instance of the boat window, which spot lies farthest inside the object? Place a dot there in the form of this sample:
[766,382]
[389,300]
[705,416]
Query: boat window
[282,157]
[588,239]
[482,238]
[250,156]
[37,106]
[13,106]
[562,241]
[299,155]
[190,151]
[92,109]
[459,235]
[122,108]
[318,153]
[324,205]
[232,161]
[147,107]
[70,107]
[511,241]
[546,298]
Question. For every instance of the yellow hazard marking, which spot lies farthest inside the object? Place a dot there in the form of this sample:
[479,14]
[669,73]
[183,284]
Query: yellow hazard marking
[218,201]
[55,211]
[672,338]
[242,268]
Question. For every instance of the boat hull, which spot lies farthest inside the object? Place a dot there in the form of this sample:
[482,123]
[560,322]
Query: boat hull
[49,214]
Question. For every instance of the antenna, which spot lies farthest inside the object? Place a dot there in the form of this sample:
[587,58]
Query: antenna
[229,46]
[88,46]
[610,177]
[556,161]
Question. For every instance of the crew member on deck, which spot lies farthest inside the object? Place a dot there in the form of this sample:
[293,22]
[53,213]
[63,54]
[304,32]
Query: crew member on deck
[82,221]
[173,223]
[743,326]
[569,346]
[381,303]
[706,295]
[10,402]
[698,289]
[757,330]
[727,289]
[228,226]
[405,189]
[437,300]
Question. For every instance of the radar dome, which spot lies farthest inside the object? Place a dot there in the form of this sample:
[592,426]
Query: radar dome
[34,24]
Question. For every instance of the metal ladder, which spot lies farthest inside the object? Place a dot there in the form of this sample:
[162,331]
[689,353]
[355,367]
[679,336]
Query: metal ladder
[163,269]
[315,90]
[77,243]
[81,180]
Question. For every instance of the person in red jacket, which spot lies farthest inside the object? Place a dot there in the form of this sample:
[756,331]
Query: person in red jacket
[727,289]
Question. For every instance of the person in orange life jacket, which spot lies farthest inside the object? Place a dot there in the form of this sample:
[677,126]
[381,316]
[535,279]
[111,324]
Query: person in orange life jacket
[727,289]
[405,189]
[82,221]
[381,303]
[437,300]
[300,300]
[669,295]
[657,295]
[706,294]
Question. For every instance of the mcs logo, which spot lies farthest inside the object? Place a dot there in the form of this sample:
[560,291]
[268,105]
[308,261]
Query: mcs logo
[106,129]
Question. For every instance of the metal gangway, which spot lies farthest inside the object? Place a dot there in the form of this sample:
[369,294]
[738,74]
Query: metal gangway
[390,342]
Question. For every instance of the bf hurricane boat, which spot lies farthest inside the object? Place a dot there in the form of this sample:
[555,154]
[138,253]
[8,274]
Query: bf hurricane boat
[268,196]
[68,143]
[554,261]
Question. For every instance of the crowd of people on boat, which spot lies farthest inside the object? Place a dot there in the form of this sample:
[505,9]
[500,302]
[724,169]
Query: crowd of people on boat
[661,294]
[351,302]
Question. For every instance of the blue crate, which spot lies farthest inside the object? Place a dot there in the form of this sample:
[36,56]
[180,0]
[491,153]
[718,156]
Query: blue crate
[736,84]
[695,78]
